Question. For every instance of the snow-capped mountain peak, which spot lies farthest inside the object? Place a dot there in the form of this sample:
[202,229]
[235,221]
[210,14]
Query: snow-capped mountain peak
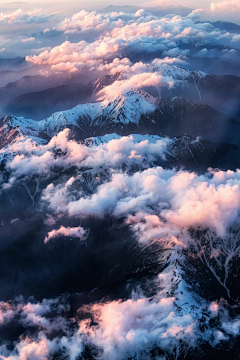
[128,108]
[178,73]
[125,108]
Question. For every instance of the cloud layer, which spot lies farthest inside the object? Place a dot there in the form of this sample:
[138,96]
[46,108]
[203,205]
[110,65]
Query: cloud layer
[127,35]
[21,17]
[85,190]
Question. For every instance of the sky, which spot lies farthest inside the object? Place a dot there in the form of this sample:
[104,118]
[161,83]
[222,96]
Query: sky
[25,25]
[227,9]
[66,38]
[98,4]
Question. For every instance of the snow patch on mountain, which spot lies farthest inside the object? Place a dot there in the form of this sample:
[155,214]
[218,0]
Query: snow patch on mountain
[178,73]
[126,109]
[137,138]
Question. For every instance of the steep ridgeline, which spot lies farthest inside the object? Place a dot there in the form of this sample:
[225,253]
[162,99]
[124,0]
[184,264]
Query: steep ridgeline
[220,92]
[133,112]
[202,137]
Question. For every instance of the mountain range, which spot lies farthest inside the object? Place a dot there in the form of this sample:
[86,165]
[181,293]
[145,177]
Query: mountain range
[124,199]
[220,92]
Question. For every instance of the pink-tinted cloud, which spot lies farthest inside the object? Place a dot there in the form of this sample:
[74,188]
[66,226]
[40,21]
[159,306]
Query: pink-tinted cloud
[135,82]
[77,232]
[227,6]
[21,17]
[120,34]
